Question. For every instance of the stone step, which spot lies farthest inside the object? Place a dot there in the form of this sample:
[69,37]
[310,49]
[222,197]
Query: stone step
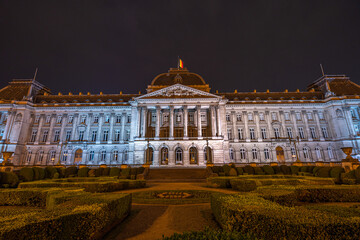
[169,173]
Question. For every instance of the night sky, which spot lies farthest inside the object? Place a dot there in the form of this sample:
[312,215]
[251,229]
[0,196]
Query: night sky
[112,46]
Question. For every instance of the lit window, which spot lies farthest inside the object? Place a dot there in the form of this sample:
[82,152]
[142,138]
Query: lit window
[52,156]
[116,155]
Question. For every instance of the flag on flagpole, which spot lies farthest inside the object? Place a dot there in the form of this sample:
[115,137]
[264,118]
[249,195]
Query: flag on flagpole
[180,64]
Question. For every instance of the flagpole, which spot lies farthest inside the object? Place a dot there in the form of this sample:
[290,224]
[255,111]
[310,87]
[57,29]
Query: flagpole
[178,62]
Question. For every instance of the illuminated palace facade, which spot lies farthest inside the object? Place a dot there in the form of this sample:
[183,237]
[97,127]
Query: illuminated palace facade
[179,122]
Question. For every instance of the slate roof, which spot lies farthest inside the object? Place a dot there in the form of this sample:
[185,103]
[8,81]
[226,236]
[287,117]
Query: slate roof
[186,78]
[22,89]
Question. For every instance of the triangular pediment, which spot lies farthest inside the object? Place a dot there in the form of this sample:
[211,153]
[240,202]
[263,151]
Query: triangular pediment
[178,91]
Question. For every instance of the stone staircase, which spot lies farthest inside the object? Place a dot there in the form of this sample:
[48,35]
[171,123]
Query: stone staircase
[177,175]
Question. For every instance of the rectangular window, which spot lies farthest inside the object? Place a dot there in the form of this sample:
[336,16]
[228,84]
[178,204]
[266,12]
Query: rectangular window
[117,135]
[261,117]
[153,117]
[229,134]
[263,133]
[178,118]
[56,135]
[301,132]
[93,136]
[228,117]
[118,118]
[266,154]
[107,118]
[83,119]
[129,119]
[71,119]
[33,136]
[127,137]
[240,134]
[203,117]
[68,135]
[313,133]
[106,135]
[321,116]
[289,132]
[252,133]
[48,119]
[37,119]
[324,132]
[81,135]
[238,117]
[274,116]
[287,116]
[250,117]
[298,116]
[45,135]
[59,119]
[96,119]
[276,132]
[165,118]
[191,117]
[309,116]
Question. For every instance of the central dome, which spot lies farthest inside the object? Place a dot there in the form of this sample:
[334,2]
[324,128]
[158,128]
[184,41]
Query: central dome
[178,75]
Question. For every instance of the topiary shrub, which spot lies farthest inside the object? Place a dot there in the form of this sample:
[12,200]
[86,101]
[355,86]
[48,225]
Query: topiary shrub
[71,171]
[268,170]
[105,171]
[97,172]
[323,172]
[258,171]
[114,172]
[226,170]
[249,169]
[232,172]
[132,177]
[217,169]
[140,170]
[39,173]
[91,173]
[239,171]
[50,171]
[310,169]
[243,185]
[56,175]
[304,169]
[83,172]
[26,174]
[315,170]
[294,170]
[276,169]
[133,171]
[9,179]
[219,182]
[222,174]
[357,174]
[336,172]
[125,173]
[285,169]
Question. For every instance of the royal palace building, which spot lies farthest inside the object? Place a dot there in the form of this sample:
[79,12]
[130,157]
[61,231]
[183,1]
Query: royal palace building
[179,122]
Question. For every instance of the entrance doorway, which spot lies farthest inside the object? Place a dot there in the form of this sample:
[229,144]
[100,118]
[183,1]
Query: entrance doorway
[164,156]
[193,155]
[78,156]
[280,154]
[178,156]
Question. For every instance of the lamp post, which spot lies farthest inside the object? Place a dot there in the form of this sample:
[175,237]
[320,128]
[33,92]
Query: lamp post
[208,162]
[294,141]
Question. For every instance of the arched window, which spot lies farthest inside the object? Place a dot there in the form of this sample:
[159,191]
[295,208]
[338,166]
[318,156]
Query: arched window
[64,156]
[115,155]
[178,155]
[28,156]
[242,154]
[91,155]
[231,154]
[193,155]
[306,153]
[293,153]
[318,153]
[266,154]
[164,155]
[330,152]
[103,155]
[40,156]
[254,153]
[52,154]
[125,156]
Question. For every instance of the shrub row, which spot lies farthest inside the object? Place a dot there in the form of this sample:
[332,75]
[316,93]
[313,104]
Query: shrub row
[268,220]
[83,217]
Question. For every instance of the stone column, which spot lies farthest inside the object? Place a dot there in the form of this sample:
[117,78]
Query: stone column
[213,121]
[171,123]
[186,118]
[283,125]
[234,135]
[307,126]
[41,122]
[75,123]
[88,126]
[62,130]
[256,118]
[268,121]
[123,119]
[144,115]
[138,125]
[198,111]
[218,117]
[293,118]
[51,130]
[349,122]
[246,127]
[10,116]
[157,126]
[112,117]
[318,125]
[101,121]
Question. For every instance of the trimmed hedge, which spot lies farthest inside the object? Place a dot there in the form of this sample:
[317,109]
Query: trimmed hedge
[243,185]
[39,173]
[328,194]
[26,174]
[26,197]
[125,172]
[71,172]
[285,169]
[294,170]
[239,171]
[50,172]
[219,182]
[249,170]
[268,170]
[277,169]
[226,169]
[83,172]
[268,220]
[9,179]
[323,172]
[233,172]
[114,172]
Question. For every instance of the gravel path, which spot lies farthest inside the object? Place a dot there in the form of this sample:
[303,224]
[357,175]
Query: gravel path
[153,221]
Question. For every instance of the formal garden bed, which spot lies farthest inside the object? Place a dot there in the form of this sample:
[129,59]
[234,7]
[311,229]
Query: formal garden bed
[57,213]
[172,197]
